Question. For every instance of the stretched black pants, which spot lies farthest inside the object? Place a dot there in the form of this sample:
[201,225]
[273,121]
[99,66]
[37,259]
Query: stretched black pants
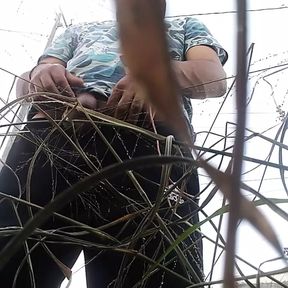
[39,174]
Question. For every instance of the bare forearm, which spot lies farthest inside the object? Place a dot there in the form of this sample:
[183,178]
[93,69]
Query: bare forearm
[199,79]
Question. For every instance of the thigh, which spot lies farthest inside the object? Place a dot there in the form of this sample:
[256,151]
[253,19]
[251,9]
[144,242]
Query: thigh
[60,165]
[43,269]
[13,215]
[130,267]
[120,269]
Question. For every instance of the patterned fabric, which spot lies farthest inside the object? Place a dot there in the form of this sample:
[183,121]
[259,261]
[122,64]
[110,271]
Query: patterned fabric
[91,50]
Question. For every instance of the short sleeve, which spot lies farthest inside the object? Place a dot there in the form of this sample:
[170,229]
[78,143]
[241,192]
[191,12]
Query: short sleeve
[196,33]
[64,45]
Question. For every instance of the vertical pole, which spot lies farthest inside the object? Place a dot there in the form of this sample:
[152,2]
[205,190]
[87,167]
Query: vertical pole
[56,25]
[24,108]
[241,95]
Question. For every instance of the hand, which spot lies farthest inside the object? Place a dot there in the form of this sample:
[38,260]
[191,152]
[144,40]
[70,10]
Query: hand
[56,79]
[53,78]
[125,102]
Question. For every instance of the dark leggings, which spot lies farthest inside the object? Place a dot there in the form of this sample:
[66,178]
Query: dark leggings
[58,166]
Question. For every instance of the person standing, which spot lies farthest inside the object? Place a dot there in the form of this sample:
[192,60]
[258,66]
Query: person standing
[85,62]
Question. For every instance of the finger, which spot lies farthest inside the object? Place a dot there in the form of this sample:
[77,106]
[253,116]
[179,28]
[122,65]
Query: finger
[44,87]
[31,88]
[113,101]
[34,84]
[64,87]
[35,87]
[48,85]
[115,97]
[148,115]
[135,110]
[122,109]
[73,80]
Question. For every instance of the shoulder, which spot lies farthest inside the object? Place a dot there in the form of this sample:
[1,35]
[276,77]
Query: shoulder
[195,26]
[182,22]
[175,21]
[86,26]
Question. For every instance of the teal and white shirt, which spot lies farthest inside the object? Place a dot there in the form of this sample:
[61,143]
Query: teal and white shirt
[91,50]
